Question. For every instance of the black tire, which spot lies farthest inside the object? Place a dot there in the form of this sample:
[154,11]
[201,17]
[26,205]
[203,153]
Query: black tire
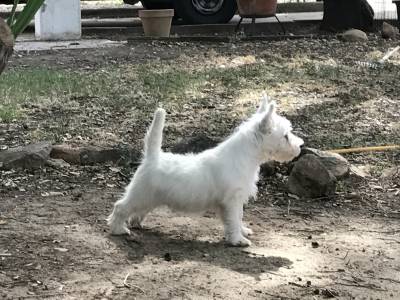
[151,4]
[193,14]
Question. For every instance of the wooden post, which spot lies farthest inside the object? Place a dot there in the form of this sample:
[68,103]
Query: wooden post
[6,44]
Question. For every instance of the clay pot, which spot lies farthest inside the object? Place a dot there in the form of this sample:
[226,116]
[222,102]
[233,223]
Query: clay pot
[256,7]
[156,22]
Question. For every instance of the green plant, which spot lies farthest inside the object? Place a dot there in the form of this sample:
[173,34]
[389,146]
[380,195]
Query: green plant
[18,23]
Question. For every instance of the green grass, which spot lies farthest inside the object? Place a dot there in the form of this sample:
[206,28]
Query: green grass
[23,86]
[135,85]
[8,113]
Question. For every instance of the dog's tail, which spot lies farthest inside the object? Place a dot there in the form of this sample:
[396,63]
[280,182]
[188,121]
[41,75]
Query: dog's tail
[153,139]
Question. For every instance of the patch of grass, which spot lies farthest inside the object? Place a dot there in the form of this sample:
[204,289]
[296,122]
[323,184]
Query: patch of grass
[28,86]
[58,87]
[170,82]
[8,113]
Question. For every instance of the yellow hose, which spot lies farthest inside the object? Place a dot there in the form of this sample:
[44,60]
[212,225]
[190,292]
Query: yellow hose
[365,149]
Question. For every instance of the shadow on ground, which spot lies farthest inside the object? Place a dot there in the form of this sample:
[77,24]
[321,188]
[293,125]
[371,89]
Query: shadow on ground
[171,248]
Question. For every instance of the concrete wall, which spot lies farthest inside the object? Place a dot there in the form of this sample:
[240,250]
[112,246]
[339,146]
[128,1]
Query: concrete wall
[58,20]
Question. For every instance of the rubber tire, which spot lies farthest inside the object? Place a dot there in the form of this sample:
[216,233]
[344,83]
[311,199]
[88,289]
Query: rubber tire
[189,14]
[149,4]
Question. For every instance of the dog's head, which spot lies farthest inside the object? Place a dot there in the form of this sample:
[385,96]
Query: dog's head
[274,133]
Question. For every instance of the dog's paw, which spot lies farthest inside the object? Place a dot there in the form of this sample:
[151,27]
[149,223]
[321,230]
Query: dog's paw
[246,231]
[120,230]
[135,223]
[240,242]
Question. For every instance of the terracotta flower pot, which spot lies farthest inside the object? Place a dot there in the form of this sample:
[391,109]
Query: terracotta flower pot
[256,7]
[156,22]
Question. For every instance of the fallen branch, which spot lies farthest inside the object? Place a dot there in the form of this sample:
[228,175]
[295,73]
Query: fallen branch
[365,149]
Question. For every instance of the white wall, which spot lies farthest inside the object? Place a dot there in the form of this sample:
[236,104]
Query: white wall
[58,20]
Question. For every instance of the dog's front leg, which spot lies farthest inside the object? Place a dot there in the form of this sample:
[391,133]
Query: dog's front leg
[231,214]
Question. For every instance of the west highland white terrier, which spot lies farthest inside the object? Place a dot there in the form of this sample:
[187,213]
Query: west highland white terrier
[220,179]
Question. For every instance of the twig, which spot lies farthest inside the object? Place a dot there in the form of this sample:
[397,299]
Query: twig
[129,286]
[261,213]
[389,54]
[347,253]
[298,285]
[391,240]
[273,273]
[367,286]
[41,296]
[123,175]
[126,278]
[388,279]
[279,296]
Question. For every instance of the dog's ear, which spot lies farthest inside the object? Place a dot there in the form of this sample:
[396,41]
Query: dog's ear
[263,103]
[265,124]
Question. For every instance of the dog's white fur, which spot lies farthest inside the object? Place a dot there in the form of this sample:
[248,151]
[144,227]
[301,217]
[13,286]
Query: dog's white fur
[221,179]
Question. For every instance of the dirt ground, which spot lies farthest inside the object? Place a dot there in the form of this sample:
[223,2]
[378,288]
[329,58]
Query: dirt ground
[54,243]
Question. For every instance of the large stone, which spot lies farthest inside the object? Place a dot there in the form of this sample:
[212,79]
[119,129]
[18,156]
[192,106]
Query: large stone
[335,163]
[355,35]
[90,155]
[94,155]
[28,157]
[310,178]
[389,31]
[67,153]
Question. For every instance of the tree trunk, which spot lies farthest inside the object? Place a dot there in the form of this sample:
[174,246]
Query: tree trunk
[6,44]
[345,14]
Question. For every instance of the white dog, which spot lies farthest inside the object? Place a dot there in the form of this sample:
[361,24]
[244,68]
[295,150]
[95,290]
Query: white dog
[220,179]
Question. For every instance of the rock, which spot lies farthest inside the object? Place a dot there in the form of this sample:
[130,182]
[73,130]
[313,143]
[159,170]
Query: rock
[28,157]
[92,154]
[360,171]
[335,163]
[355,35]
[194,144]
[314,244]
[391,172]
[389,31]
[167,257]
[58,163]
[311,179]
[66,153]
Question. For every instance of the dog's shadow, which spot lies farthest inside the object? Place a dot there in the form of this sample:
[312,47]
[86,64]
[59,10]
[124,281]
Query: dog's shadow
[176,249]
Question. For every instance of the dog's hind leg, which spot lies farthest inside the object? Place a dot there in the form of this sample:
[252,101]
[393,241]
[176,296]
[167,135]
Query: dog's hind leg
[245,230]
[135,221]
[231,214]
